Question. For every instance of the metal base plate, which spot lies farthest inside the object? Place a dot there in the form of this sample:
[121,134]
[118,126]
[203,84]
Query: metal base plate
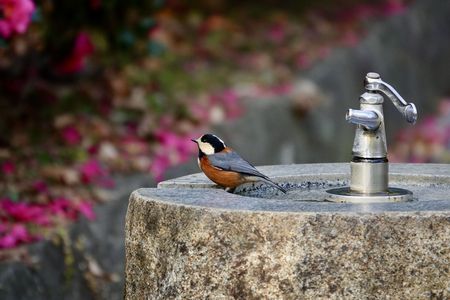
[345,195]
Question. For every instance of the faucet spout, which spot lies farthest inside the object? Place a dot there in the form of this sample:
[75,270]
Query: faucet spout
[368,119]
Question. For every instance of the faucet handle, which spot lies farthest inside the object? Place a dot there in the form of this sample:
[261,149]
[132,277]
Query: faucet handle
[368,119]
[373,83]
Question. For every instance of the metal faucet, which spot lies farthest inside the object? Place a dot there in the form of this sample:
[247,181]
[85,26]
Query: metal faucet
[369,166]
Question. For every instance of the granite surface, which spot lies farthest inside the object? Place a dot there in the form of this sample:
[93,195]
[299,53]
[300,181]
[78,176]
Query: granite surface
[436,173]
[186,240]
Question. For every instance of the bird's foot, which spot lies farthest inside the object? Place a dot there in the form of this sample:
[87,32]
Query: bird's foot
[230,190]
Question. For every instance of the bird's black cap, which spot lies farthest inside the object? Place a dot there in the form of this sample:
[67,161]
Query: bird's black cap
[214,141]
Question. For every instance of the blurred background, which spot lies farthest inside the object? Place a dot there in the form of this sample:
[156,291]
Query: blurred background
[98,98]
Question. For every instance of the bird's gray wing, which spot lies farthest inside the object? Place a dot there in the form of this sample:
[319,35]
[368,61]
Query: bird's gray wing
[231,161]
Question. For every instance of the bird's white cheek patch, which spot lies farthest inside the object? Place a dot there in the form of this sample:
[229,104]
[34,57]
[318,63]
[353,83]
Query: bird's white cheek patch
[206,148]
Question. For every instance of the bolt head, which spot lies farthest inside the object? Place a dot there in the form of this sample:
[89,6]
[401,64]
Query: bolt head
[373,75]
[411,113]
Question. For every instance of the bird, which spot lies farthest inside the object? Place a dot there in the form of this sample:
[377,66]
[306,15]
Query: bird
[225,166]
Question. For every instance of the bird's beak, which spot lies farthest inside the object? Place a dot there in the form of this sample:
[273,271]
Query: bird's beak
[194,140]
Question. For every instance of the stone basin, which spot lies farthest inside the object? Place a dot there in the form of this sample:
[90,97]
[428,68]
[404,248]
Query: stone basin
[188,239]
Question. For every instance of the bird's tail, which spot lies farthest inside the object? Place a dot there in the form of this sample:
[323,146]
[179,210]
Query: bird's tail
[275,185]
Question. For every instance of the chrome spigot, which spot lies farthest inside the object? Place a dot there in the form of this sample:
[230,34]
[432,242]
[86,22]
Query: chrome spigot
[369,166]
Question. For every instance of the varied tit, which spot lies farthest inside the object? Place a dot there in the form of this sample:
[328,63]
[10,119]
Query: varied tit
[224,166]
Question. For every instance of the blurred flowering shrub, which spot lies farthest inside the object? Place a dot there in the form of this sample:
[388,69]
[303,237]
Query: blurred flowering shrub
[16,16]
[429,142]
[26,222]
[91,87]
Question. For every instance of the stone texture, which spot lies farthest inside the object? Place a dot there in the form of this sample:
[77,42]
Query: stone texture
[407,173]
[186,240]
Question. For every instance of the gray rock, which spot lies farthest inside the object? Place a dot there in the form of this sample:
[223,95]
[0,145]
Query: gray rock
[188,240]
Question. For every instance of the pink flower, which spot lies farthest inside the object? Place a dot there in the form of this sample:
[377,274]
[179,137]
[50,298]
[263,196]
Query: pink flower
[63,207]
[2,228]
[393,7]
[173,142]
[7,241]
[19,211]
[16,16]
[20,233]
[430,130]
[159,166]
[177,148]
[66,208]
[277,33]
[71,135]
[83,48]
[106,182]
[229,97]
[199,111]
[302,61]
[91,170]
[85,208]
[42,218]
[93,149]
[230,100]
[40,186]
[16,235]
[167,121]
[25,212]
[167,138]
[8,168]
[282,89]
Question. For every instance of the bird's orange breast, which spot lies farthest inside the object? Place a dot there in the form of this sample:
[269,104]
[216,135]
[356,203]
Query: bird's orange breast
[221,177]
